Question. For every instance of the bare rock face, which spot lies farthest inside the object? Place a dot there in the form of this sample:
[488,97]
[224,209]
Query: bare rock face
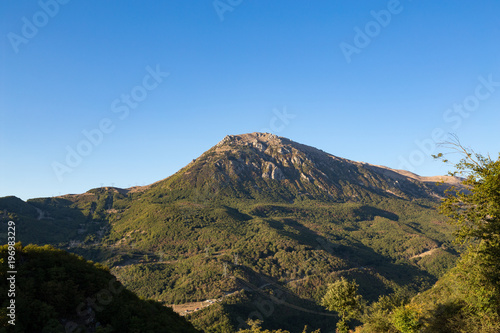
[270,170]
[260,146]
[277,174]
[256,160]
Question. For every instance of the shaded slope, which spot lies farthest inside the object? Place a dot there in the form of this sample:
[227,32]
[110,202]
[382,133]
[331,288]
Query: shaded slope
[59,292]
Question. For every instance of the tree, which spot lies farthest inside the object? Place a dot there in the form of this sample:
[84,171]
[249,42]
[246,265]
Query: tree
[475,211]
[405,319]
[342,297]
[378,316]
[467,298]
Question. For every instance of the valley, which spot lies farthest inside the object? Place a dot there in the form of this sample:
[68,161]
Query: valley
[259,225]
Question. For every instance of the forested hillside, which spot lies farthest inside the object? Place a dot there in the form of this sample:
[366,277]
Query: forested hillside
[59,292]
[262,218]
[467,298]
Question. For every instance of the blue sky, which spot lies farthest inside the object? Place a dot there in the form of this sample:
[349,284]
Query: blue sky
[154,84]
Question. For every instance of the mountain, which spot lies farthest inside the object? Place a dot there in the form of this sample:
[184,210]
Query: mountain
[261,218]
[267,167]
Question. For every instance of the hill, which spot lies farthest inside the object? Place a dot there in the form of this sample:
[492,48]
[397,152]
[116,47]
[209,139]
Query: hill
[265,219]
[60,292]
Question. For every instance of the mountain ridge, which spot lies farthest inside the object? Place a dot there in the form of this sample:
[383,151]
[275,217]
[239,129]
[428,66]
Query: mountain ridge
[263,142]
[254,209]
[301,171]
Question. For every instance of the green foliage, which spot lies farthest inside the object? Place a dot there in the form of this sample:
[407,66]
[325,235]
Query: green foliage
[175,251]
[60,292]
[462,300]
[194,279]
[467,299]
[213,319]
[377,317]
[255,327]
[177,240]
[476,211]
[342,297]
[53,224]
[405,319]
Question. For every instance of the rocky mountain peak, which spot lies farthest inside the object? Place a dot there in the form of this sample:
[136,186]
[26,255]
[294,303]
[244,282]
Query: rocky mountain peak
[272,145]
[264,165]
[258,140]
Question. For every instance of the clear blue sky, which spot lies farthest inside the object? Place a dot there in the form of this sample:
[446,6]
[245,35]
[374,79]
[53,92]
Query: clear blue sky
[360,84]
